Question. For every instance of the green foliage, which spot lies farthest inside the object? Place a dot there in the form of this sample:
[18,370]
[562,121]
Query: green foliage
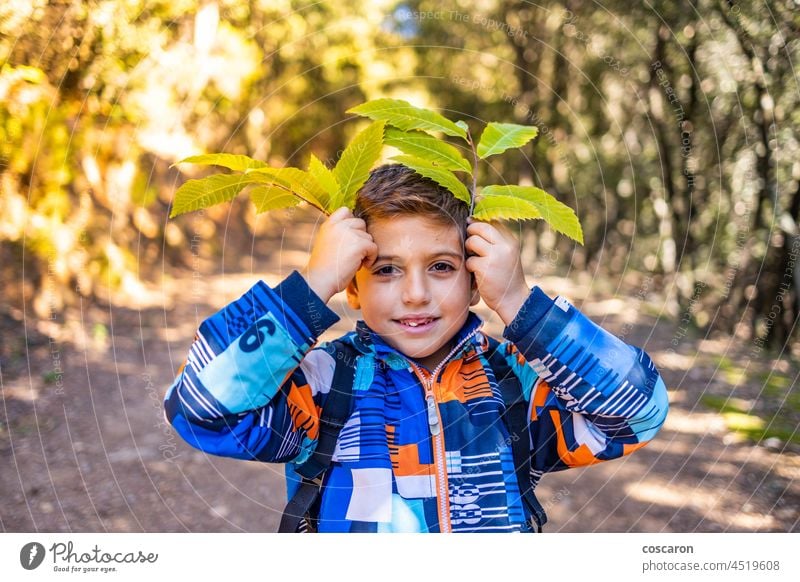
[405,116]
[437,160]
[324,177]
[357,160]
[320,187]
[411,132]
[498,137]
[216,189]
[234,162]
[271,197]
[560,217]
[438,174]
[422,145]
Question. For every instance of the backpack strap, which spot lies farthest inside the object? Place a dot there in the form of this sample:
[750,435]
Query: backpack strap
[516,420]
[302,509]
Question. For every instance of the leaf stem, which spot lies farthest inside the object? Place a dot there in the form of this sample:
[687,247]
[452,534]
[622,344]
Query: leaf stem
[474,190]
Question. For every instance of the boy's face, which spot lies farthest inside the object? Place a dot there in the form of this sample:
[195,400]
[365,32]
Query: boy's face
[417,294]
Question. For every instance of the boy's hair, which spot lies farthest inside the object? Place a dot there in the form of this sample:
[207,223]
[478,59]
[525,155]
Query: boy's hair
[395,189]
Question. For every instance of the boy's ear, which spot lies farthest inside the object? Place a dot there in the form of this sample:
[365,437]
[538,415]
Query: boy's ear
[476,296]
[352,294]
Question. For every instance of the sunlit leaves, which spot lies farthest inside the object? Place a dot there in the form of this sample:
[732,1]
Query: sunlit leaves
[324,176]
[357,160]
[409,130]
[403,115]
[209,191]
[421,145]
[271,197]
[558,215]
[498,137]
[301,183]
[235,162]
[438,174]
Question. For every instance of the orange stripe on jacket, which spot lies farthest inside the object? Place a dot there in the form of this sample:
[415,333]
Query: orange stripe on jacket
[542,390]
[304,413]
[581,456]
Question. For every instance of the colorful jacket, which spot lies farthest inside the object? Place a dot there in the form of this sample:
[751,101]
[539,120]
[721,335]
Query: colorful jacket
[253,386]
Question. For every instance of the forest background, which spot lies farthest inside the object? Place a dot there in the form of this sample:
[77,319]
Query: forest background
[671,128]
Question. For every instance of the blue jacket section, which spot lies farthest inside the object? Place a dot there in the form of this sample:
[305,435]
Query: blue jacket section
[252,388]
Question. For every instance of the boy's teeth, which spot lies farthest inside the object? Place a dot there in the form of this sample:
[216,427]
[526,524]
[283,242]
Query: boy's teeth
[416,323]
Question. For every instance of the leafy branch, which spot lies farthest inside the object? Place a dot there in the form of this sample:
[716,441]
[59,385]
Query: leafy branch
[411,130]
[438,160]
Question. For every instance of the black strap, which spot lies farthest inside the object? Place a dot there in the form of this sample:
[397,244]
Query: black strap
[516,419]
[335,413]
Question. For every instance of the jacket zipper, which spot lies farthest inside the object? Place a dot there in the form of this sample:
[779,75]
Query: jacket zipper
[435,426]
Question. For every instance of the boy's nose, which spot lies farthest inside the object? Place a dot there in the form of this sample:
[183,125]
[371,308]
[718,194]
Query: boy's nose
[415,290]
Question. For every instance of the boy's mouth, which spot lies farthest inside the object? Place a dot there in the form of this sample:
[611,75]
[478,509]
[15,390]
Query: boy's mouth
[416,322]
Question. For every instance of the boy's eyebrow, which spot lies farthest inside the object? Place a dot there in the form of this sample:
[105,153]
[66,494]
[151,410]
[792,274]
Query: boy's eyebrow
[436,253]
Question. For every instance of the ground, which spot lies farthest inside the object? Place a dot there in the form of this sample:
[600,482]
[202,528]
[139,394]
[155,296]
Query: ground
[85,447]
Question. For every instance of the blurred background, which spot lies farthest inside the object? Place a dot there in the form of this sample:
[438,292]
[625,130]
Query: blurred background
[671,128]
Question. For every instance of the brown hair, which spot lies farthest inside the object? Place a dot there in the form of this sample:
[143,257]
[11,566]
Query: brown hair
[395,189]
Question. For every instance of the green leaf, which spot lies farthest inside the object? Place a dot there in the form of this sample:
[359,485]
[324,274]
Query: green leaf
[272,197]
[403,115]
[234,162]
[323,176]
[498,137]
[438,174]
[463,125]
[429,148]
[558,215]
[205,192]
[352,169]
[500,207]
[301,183]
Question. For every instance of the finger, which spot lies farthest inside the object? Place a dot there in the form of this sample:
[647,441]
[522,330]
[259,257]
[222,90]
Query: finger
[355,223]
[363,235]
[340,214]
[370,256]
[473,265]
[485,230]
[478,245]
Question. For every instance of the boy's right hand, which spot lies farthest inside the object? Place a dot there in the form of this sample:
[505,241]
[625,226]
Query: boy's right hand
[342,246]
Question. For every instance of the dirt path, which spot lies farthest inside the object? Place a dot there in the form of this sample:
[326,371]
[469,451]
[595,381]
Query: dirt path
[84,446]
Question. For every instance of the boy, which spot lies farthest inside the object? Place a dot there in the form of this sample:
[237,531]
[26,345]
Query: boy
[429,443]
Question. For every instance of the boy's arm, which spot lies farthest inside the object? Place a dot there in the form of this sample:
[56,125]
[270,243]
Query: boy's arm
[250,388]
[593,397]
[242,391]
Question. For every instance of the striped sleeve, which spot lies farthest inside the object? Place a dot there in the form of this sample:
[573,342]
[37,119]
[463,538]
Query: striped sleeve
[593,397]
[249,387]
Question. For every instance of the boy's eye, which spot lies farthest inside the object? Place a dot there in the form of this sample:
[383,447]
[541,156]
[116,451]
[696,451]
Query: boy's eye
[442,267]
[385,270]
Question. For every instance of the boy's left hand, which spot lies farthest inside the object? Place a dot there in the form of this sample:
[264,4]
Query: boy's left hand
[495,262]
